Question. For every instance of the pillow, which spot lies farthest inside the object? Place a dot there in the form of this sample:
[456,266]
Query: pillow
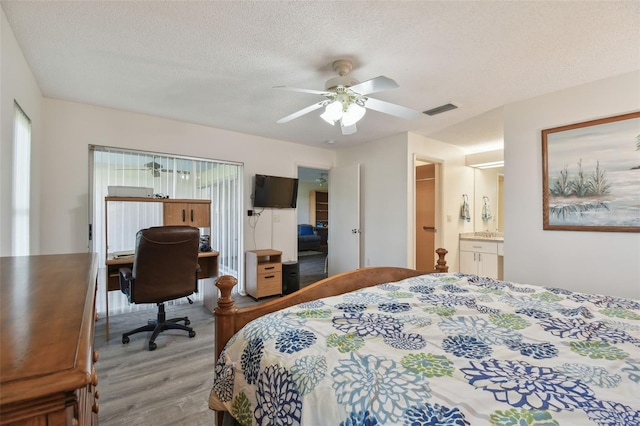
[305,230]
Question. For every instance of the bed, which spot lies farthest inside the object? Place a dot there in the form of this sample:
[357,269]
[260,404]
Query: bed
[415,349]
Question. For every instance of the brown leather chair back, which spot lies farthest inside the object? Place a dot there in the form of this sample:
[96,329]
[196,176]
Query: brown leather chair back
[165,265]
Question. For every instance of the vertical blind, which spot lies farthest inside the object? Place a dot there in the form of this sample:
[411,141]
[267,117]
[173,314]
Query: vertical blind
[21,182]
[172,176]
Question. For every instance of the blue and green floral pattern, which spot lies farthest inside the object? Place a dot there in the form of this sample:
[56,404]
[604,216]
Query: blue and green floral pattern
[439,349]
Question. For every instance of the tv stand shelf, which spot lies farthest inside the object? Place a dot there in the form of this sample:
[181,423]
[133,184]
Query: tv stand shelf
[264,273]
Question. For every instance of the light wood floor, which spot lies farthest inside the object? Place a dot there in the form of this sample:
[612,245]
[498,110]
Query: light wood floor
[169,386]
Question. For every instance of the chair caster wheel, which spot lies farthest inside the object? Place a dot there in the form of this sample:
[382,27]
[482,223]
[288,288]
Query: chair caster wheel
[152,346]
[125,340]
[187,322]
[192,333]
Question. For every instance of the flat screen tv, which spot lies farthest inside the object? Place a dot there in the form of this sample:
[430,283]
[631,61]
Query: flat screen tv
[275,191]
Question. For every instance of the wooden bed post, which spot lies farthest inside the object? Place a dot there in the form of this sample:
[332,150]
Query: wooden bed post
[225,311]
[441,265]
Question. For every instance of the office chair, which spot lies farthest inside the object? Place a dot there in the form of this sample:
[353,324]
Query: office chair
[165,267]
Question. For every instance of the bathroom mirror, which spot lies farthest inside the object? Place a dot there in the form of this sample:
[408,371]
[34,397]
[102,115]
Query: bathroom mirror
[488,199]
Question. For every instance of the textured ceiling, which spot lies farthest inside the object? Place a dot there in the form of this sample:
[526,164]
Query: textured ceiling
[215,63]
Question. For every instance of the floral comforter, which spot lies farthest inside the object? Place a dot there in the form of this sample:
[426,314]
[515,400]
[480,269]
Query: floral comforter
[439,349]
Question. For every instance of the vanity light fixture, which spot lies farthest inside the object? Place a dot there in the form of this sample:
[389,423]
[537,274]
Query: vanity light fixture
[485,160]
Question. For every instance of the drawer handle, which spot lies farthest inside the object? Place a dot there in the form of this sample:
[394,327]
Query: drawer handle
[184,218]
[191,215]
[95,356]
[269,267]
[96,407]
[477,246]
[269,276]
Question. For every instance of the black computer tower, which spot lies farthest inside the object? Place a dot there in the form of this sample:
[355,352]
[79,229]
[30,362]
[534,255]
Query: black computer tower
[290,277]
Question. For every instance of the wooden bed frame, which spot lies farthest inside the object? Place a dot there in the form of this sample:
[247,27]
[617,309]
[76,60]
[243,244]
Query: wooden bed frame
[230,319]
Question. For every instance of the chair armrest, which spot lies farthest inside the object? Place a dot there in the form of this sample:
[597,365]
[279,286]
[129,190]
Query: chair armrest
[125,277]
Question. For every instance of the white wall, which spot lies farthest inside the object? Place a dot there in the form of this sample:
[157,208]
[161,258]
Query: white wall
[70,127]
[387,203]
[383,199]
[17,83]
[596,262]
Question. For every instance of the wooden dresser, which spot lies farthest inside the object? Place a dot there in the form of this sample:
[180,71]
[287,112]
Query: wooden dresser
[47,314]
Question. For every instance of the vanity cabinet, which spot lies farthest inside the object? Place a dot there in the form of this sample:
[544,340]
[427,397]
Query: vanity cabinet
[479,258]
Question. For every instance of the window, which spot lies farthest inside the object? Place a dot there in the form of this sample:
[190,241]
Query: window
[173,176]
[21,190]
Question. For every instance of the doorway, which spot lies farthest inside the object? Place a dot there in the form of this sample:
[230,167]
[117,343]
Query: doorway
[426,185]
[312,224]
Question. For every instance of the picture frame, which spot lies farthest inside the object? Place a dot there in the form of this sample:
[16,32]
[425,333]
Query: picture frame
[591,175]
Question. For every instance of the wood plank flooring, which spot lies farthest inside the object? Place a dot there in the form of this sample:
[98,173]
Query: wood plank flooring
[168,386]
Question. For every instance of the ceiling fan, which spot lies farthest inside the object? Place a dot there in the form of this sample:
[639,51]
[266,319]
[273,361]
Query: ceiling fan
[321,180]
[347,101]
[153,167]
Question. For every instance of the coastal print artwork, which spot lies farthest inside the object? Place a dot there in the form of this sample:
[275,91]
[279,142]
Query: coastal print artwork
[591,175]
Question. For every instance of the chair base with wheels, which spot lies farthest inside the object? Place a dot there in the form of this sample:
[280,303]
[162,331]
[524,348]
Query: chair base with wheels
[159,325]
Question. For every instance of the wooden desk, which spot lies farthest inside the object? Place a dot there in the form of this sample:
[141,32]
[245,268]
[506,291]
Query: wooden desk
[208,262]
[47,316]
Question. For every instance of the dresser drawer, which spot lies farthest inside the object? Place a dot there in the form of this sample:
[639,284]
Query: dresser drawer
[267,268]
[479,246]
[269,284]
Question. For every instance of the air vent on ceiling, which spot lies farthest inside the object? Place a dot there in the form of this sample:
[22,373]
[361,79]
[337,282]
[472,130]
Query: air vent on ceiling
[440,109]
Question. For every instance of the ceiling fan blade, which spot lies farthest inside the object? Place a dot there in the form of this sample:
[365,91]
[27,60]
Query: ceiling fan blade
[391,109]
[296,89]
[301,112]
[374,85]
[349,130]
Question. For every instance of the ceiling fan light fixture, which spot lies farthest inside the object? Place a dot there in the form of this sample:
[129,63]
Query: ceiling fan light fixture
[353,114]
[332,112]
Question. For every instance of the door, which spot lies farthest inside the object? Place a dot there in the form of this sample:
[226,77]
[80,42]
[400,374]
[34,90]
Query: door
[425,202]
[344,219]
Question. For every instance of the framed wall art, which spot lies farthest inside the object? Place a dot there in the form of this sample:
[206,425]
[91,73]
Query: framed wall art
[591,175]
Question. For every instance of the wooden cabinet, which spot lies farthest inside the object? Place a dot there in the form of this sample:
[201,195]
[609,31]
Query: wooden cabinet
[194,213]
[319,208]
[47,312]
[479,258]
[264,273]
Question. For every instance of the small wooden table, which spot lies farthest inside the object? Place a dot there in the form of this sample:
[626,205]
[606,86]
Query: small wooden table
[47,316]
[208,261]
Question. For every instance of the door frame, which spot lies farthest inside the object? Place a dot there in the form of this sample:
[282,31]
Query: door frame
[438,209]
[320,167]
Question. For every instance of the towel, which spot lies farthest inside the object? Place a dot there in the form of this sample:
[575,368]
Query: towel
[464,211]
[486,209]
